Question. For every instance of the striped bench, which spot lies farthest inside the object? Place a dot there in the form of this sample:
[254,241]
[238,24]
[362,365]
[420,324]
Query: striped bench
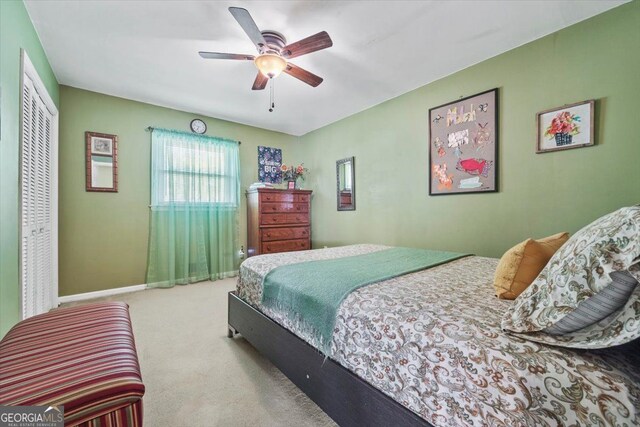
[83,358]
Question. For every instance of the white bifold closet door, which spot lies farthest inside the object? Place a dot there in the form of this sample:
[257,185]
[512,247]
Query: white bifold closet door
[38,234]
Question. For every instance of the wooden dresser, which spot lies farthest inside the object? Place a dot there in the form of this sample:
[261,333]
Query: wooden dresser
[278,221]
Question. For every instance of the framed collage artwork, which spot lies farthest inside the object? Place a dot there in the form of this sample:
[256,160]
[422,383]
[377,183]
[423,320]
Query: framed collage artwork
[463,145]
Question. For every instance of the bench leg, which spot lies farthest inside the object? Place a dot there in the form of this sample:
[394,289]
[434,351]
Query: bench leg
[231,332]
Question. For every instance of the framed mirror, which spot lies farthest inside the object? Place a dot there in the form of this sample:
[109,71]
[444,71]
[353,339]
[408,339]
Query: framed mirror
[346,179]
[101,162]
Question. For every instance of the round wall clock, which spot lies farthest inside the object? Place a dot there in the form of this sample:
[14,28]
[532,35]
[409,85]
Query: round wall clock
[198,126]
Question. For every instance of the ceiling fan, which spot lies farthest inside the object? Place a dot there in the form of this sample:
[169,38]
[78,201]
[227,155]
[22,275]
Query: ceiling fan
[274,52]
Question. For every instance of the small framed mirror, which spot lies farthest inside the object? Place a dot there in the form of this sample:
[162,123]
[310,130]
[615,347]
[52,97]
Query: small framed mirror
[101,162]
[346,178]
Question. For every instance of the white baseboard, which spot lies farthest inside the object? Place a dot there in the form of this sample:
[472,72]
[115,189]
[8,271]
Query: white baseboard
[98,294]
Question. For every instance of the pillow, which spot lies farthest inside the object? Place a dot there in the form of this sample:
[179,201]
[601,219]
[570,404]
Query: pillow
[598,307]
[578,271]
[521,264]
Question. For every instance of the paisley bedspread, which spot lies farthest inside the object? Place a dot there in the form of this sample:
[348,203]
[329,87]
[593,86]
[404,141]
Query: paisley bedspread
[432,341]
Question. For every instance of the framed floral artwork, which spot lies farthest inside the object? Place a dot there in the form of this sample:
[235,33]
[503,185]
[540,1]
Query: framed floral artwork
[463,145]
[562,128]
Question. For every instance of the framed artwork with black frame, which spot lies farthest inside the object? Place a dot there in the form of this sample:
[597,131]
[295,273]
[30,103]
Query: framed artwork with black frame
[463,145]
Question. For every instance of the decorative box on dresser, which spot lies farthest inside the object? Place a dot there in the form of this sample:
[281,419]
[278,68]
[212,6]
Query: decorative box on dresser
[278,221]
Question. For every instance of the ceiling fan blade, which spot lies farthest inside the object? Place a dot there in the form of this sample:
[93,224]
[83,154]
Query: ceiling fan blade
[260,82]
[249,26]
[302,74]
[310,44]
[218,55]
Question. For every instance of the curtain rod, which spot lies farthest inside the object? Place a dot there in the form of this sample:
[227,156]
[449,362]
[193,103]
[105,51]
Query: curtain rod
[151,128]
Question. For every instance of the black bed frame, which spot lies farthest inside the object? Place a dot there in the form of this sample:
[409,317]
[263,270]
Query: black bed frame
[345,397]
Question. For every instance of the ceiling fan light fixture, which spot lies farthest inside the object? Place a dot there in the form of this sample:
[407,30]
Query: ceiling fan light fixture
[270,65]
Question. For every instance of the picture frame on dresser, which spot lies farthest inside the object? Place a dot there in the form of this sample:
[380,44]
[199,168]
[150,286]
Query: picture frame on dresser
[278,220]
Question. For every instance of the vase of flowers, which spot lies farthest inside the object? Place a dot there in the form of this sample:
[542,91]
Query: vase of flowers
[294,174]
[563,127]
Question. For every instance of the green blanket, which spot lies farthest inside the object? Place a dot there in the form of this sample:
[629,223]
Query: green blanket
[311,292]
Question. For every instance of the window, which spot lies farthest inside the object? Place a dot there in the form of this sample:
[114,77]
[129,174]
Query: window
[197,170]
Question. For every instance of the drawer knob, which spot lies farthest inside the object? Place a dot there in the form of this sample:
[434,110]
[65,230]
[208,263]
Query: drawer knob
[268,248]
[268,234]
[304,232]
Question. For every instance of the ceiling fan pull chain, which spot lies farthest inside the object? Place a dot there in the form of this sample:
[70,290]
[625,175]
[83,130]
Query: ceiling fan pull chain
[272,103]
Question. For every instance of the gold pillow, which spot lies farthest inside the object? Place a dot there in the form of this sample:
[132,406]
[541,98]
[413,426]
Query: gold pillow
[521,264]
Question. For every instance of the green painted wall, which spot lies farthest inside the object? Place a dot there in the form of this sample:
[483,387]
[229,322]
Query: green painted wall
[539,194]
[103,236]
[16,32]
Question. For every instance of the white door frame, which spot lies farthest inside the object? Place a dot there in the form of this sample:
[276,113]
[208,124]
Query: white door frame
[29,70]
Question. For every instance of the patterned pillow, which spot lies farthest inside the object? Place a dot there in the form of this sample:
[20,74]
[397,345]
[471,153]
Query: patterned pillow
[598,307]
[578,271]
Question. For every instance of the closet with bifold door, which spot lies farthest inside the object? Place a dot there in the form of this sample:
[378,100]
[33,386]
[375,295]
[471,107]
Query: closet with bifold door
[38,195]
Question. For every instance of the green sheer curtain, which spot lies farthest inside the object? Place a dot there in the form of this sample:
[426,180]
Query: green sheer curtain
[195,196]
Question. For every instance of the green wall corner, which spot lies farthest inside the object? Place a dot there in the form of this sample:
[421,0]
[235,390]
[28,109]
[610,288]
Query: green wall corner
[103,236]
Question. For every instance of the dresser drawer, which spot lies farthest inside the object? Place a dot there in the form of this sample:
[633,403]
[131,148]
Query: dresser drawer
[270,234]
[284,218]
[278,220]
[285,246]
[277,197]
[284,207]
[303,198]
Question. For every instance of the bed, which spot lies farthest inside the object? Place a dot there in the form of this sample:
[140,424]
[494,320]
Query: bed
[427,348]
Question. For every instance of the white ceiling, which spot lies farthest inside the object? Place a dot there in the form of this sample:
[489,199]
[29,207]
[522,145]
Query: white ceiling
[148,51]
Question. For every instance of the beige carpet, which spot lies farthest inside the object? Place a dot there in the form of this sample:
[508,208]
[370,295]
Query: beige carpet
[196,376]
